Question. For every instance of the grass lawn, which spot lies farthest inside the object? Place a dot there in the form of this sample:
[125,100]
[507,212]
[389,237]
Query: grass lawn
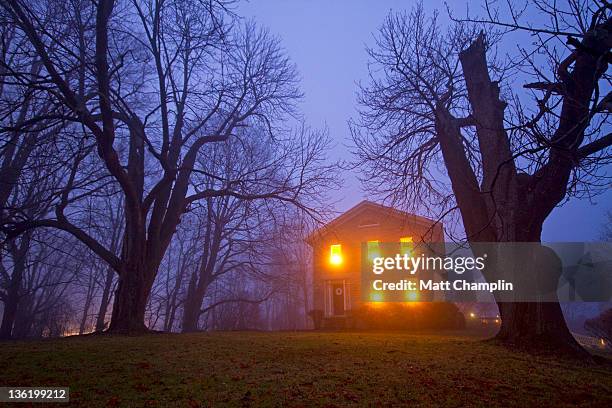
[300,369]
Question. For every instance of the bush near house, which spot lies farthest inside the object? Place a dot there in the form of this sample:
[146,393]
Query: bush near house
[408,316]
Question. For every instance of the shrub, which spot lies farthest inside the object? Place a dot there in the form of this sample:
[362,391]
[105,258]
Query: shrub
[409,316]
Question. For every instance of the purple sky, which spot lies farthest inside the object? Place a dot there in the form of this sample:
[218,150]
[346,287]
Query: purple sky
[326,39]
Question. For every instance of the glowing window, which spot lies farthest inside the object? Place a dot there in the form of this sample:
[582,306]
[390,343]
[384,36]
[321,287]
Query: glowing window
[335,254]
[373,250]
[412,296]
[406,245]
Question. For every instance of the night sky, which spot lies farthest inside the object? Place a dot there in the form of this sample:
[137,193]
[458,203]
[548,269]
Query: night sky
[327,39]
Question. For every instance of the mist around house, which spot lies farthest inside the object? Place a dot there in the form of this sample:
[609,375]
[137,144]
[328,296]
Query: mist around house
[234,203]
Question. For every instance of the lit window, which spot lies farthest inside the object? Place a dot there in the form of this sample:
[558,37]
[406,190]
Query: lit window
[412,296]
[373,250]
[406,245]
[335,255]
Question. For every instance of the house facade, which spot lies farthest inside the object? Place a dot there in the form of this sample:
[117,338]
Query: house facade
[337,257]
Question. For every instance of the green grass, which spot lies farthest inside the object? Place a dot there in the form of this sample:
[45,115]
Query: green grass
[300,369]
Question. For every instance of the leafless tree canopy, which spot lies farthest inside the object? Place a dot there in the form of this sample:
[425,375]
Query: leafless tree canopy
[130,97]
[415,66]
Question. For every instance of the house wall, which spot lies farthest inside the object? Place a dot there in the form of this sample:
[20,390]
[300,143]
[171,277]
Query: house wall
[368,224]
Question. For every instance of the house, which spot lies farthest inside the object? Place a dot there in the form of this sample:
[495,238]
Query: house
[337,254]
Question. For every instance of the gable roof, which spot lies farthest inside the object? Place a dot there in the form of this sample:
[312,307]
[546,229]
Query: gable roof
[359,208]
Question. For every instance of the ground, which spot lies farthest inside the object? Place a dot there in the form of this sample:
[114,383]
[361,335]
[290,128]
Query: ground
[301,369]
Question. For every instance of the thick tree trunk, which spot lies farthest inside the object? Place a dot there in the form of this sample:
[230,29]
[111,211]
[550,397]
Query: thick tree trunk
[131,298]
[538,326]
[502,207]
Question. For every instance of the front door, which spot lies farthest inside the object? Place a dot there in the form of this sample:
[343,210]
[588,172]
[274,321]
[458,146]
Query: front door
[338,299]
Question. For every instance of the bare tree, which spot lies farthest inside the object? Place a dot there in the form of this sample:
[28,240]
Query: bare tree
[53,266]
[290,264]
[162,79]
[431,110]
[30,167]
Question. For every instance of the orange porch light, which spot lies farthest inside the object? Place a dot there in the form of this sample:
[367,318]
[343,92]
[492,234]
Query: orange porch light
[335,254]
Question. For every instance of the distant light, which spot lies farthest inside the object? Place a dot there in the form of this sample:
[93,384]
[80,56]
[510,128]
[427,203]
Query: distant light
[602,342]
[335,255]
[496,320]
[472,315]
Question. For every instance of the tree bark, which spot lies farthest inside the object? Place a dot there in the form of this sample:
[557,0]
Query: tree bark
[504,208]
[88,300]
[193,303]
[131,297]
[191,314]
[10,312]
[536,325]
[13,292]
[100,321]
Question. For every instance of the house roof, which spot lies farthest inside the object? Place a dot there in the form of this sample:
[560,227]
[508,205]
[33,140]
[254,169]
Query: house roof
[359,208]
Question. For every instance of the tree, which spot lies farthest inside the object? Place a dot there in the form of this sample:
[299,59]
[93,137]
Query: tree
[152,83]
[431,112]
[28,171]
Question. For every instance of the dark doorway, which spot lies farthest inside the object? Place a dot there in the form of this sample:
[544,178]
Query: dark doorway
[338,298]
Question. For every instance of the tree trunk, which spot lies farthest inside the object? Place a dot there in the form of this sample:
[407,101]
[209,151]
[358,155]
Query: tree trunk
[193,305]
[502,207]
[100,321]
[13,294]
[198,284]
[131,297]
[85,313]
[536,326]
[191,315]
[10,312]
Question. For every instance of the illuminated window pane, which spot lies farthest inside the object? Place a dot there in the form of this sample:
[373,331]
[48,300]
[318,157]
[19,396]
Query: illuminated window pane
[406,245]
[412,296]
[373,250]
[335,254]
